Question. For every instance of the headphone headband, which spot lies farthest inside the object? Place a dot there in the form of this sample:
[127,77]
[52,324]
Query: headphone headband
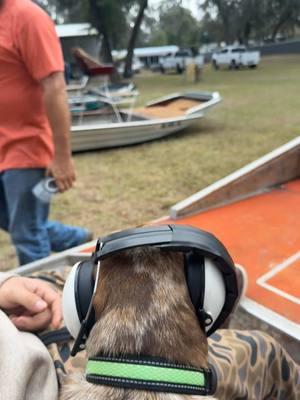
[173,237]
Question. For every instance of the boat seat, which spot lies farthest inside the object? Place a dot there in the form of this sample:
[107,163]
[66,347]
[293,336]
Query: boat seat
[89,65]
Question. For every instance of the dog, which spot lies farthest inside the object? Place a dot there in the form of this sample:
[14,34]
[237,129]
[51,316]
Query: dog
[142,307]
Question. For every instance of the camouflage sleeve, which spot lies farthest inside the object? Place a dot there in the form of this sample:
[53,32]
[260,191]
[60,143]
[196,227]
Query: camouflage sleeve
[251,365]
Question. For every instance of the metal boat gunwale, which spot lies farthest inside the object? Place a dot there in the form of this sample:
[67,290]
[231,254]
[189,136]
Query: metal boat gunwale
[192,114]
[146,122]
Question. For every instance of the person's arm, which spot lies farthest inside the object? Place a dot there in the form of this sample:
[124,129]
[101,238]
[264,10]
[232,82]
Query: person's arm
[31,304]
[41,53]
[55,99]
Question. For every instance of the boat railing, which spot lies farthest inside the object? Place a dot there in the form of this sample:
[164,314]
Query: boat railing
[118,100]
[79,86]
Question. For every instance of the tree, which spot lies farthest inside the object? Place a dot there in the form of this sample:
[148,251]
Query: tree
[133,38]
[240,20]
[65,11]
[284,14]
[176,25]
[111,18]
[249,20]
[224,10]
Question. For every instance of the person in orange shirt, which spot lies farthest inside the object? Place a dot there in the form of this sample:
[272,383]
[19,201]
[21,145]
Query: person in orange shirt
[34,130]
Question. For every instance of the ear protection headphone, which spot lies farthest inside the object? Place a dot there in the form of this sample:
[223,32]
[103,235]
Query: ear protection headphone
[209,270]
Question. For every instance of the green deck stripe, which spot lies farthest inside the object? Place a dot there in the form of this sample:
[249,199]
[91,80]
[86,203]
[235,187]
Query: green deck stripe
[145,372]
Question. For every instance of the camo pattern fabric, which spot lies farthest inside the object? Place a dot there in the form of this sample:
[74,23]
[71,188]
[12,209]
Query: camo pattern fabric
[247,365]
[252,365]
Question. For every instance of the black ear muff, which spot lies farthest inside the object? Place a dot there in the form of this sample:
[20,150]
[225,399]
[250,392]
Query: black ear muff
[194,265]
[84,290]
[84,287]
[195,277]
[209,270]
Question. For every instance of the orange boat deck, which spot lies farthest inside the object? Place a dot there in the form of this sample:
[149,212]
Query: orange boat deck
[262,233]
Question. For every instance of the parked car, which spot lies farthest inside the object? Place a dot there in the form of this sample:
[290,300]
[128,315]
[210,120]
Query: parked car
[178,61]
[235,57]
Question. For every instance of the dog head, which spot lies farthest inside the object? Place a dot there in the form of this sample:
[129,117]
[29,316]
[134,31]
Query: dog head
[142,306]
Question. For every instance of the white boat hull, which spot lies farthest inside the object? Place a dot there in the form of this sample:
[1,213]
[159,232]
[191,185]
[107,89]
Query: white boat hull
[107,135]
[120,134]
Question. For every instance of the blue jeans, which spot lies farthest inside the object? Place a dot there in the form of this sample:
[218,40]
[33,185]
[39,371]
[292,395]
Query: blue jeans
[25,218]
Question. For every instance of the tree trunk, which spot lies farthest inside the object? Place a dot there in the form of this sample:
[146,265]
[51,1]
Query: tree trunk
[106,51]
[133,38]
[247,32]
[224,16]
[282,20]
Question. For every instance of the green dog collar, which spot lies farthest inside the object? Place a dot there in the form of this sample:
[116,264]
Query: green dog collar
[148,374]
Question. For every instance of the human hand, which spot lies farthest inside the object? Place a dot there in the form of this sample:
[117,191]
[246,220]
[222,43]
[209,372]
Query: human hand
[31,304]
[62,170]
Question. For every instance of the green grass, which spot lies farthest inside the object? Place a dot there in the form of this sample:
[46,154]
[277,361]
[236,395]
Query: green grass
[125,187]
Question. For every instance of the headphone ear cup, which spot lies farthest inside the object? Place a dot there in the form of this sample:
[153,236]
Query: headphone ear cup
[70,312]
[77,295]
[195,279]
[207,289]
[214,294]
[84,287]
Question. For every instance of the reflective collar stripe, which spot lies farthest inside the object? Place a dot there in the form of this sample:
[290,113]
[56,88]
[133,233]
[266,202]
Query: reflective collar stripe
[153,375]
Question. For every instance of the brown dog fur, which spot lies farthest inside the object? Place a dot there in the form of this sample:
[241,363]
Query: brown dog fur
[142,307]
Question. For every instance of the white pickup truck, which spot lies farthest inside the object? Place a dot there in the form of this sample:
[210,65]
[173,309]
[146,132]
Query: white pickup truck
[179,60]
[235,57]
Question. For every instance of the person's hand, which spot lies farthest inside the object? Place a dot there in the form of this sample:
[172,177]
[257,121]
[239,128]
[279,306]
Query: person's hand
[58,113]
[31,304]
[62,170]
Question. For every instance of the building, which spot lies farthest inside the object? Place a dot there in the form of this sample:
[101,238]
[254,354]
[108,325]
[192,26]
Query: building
[78,35]
[149,56]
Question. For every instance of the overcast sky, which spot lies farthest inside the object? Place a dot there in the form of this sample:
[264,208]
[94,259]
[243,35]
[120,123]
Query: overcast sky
[193,5]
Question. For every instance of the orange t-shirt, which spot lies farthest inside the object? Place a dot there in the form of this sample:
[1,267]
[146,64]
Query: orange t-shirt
[29,52]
